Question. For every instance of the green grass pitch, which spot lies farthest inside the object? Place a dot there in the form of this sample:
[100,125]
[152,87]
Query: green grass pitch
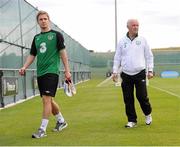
[96,117]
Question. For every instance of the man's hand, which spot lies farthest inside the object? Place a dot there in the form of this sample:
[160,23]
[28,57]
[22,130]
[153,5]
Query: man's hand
[28,62]
[115,77]
[67,75]
[150,74]
[22,71]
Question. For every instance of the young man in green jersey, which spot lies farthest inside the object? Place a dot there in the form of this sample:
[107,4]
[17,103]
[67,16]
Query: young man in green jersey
[48,46]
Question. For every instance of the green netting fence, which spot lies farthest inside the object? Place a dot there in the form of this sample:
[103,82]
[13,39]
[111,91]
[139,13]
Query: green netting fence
[166,60]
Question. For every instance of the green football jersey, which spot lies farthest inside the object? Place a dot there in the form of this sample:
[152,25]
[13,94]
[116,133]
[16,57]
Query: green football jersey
[46,47]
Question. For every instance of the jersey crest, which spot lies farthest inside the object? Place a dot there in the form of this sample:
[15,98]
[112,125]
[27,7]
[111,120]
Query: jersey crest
[50,37]
[138,42]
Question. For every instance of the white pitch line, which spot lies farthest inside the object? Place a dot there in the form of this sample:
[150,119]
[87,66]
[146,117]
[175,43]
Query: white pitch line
[104,81]
[166,91]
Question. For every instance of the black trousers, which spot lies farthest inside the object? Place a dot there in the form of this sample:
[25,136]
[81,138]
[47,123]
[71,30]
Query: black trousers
[139,82]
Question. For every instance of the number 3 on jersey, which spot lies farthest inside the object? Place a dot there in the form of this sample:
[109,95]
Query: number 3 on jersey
[43,47]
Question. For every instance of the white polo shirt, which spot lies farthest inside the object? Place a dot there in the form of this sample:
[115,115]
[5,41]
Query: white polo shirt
[133,56]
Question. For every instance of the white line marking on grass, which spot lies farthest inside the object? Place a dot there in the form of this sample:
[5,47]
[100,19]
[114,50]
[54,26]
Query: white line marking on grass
[106,80]
[31,97]
[19,102]
[166,91]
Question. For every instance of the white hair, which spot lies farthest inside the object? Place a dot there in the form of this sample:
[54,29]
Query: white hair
[130,21]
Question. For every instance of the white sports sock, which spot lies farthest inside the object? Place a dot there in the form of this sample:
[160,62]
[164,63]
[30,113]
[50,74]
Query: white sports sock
[59,117]
[44,124]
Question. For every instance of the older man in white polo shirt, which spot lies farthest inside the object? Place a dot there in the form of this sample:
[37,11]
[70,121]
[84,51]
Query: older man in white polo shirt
[135,58]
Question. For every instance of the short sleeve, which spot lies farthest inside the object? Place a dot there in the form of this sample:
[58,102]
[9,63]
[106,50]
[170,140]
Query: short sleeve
[60,41]
[33,50]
